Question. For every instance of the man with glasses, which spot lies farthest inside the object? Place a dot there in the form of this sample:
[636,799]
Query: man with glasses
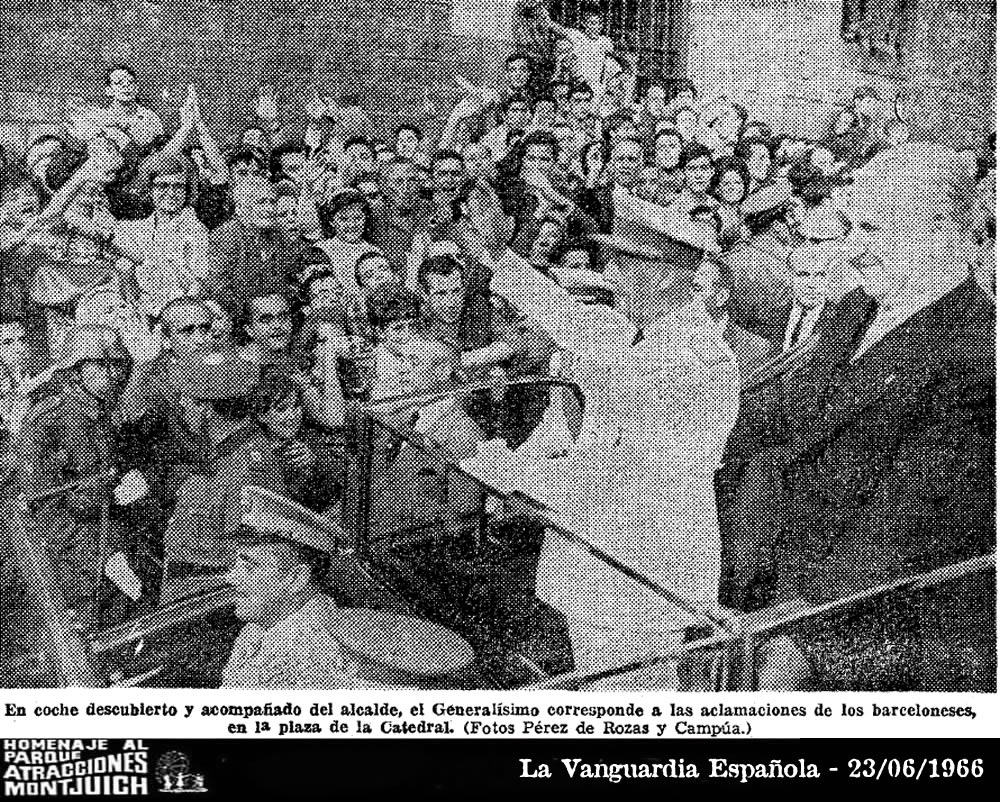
[447,177]
[170,247]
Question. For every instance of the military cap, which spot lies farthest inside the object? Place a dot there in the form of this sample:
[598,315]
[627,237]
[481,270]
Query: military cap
[92,342]
[395,649]
[214,375]
[269,513]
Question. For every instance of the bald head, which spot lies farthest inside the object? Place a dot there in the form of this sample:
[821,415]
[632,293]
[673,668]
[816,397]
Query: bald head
[915,183]
[908,214]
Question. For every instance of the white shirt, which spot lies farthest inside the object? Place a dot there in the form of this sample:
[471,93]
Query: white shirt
[496,142]
[143,125]
[809,318]
[894,311]
[175,256]
[591,54]
[301,652]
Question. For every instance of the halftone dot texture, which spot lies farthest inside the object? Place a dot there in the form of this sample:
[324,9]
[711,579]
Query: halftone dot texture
[792,65]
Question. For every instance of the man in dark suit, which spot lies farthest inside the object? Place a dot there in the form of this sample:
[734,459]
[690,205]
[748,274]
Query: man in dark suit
[250,256]
[810,303]
[884,465]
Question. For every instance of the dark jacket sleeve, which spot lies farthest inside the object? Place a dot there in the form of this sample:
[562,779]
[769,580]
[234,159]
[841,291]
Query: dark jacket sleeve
[223,258]
[934,501]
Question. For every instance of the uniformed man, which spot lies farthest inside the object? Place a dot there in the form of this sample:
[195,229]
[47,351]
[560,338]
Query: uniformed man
[214,389]
[68,442]
[290,635]
[296,636]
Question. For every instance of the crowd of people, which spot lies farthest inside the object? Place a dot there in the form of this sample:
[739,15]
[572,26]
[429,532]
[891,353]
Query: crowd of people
[181,318]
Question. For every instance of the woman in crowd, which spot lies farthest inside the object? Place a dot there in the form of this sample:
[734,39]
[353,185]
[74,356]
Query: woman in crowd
[670,178]
[685,119]
[696,163]
[346,222]
[276,404]
[729,187]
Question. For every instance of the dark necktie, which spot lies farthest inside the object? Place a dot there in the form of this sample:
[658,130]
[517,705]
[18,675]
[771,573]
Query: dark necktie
[797,329]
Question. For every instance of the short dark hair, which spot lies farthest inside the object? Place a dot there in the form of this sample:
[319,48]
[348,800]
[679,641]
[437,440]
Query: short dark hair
[359,140]
[685,85]
[692,151]
[732,165]
[513,58]
[588,246]
[113,68]
[545,138]
[234,409]
[513,136]
[668,132]
[744,148]
[591,11]
[285,149]
[285,186]
[814,191]
[390,304]
[581,88]
[365,178]
[547,98]
[174,165]
[555,220]
[398,161]
[314,256]
[446,155]
[336,204]
[409,127]
[244,155]
[766,134]
[312,278]
[443,265]
[511,100]
[681,109]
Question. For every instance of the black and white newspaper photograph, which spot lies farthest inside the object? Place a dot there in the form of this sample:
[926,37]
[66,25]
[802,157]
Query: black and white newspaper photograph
[541,396]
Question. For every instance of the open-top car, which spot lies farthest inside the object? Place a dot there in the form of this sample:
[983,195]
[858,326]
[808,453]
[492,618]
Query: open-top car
[452,498]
